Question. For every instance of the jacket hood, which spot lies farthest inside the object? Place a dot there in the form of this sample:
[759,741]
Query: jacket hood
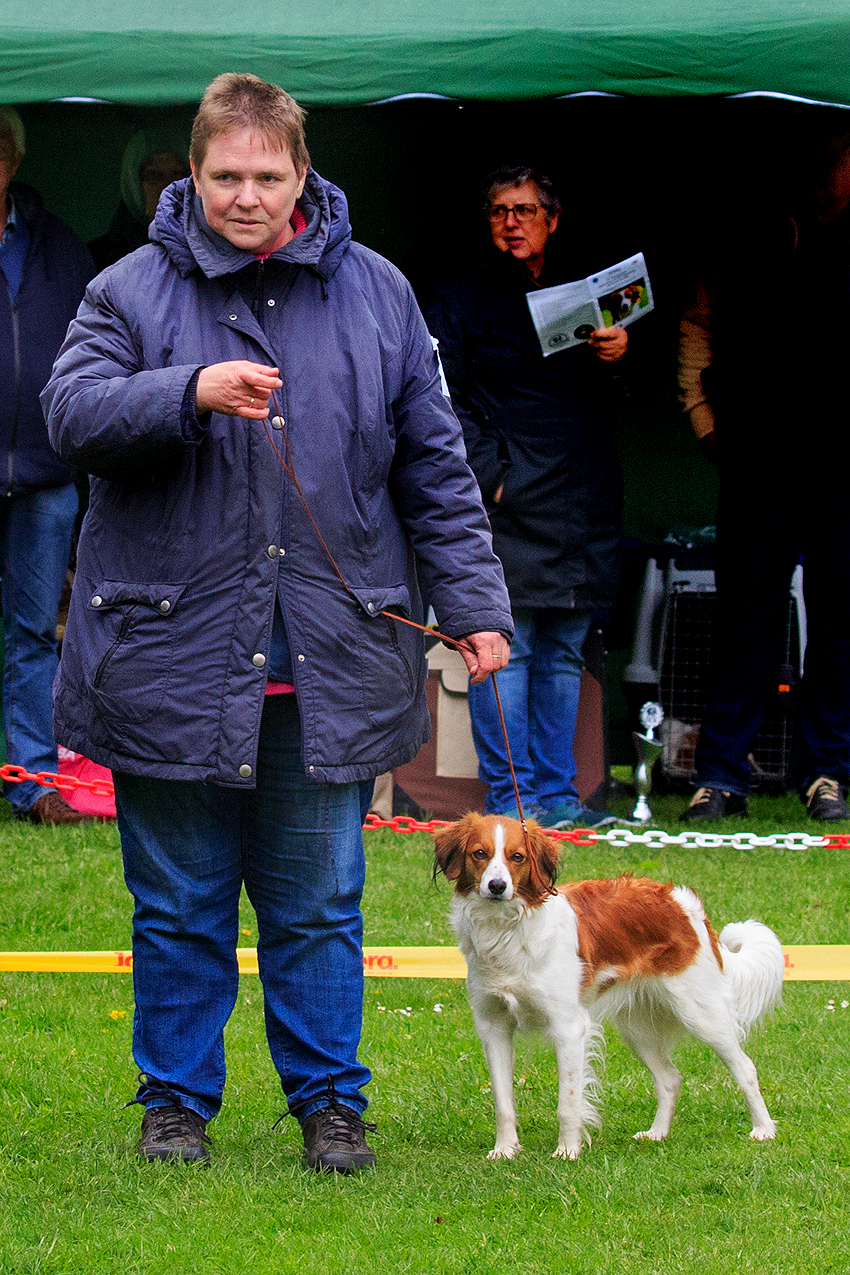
[184,232]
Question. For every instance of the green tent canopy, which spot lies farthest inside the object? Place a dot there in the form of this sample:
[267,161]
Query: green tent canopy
[340,52]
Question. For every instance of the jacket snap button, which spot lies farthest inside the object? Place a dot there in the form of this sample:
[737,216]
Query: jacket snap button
[281,553]
[272,551]
[312,767]
[278,422]
[300,659]
[245,772]
[97,600]
[271,303]
[258,660]
[233,318]
[165,606]
[370,607]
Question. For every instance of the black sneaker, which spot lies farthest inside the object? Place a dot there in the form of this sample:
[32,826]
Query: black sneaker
[335,1142]
[174,1132]
[714,803]
[825,800]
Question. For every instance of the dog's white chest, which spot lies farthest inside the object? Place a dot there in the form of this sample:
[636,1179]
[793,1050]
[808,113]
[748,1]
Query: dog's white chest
[525,958]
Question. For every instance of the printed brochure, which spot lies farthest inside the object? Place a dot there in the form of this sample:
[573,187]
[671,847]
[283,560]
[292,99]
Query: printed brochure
[566,315]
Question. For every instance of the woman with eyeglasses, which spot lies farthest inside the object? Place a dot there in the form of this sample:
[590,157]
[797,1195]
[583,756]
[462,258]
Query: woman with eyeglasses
[540,439]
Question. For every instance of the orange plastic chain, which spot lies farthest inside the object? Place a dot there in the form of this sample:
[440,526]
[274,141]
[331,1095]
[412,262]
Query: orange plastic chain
[62,783]
[406,823]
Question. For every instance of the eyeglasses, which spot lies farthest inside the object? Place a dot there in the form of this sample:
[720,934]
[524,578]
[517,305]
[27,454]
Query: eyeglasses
[522,212]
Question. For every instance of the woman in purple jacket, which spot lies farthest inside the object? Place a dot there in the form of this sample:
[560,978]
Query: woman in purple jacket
[212,658]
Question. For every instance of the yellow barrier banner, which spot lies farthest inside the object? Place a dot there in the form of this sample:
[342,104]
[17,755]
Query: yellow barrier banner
[822,963]
[378,962]
[804,963]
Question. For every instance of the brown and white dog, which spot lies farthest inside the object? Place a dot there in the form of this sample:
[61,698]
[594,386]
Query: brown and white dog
[631,951]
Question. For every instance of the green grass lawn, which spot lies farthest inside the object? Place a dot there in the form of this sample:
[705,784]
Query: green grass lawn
[74,1198]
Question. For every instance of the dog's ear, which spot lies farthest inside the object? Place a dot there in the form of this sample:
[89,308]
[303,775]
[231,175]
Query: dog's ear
[450,848]
[545,857]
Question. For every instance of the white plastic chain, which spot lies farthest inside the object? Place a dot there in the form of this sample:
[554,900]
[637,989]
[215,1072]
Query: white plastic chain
[654,839]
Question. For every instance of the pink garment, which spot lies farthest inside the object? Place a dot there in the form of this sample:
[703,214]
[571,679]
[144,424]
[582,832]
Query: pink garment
[81,799]
[298,222]
[279,688]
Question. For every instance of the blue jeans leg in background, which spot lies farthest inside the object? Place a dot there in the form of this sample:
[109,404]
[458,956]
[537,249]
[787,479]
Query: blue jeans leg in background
[539,690]
[297,846]
[35,535]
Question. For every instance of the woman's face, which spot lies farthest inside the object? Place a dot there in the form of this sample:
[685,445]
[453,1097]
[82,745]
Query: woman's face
[248,190]
[524,239]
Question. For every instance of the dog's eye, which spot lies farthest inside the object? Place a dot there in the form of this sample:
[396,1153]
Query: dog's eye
[479,854]
[517,858]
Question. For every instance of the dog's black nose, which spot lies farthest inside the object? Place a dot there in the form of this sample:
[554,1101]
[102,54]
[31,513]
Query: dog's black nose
[497,888]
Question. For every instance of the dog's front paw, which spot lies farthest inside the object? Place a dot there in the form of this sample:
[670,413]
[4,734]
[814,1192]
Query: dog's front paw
[649,1135]
[764,1132]
[505,1151]
[563,1152]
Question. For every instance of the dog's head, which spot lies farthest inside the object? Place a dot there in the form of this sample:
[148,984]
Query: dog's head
[489,854]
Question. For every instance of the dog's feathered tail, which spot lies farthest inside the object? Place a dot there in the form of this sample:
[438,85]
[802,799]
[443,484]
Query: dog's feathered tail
[755,966]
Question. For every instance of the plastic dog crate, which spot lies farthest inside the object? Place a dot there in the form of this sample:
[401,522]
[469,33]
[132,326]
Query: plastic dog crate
[671,659]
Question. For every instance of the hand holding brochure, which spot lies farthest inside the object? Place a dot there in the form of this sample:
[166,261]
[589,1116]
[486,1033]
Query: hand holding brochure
[566,315]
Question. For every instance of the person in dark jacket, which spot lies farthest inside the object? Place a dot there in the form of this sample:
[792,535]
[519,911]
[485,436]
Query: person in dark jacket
[213,658]
[45,269]
[152,160]
[768,402]
[540,439]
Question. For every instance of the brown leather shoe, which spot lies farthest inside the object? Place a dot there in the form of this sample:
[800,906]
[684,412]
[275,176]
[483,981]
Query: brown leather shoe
[174,1132]
[825,800]
[334,1140]
[714,803]
[52,808]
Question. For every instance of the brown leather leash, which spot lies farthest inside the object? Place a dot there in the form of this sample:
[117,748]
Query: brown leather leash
[289,468]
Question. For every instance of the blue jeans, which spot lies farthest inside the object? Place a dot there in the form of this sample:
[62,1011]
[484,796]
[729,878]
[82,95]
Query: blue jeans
[297,845]
[539,690]
[35,541]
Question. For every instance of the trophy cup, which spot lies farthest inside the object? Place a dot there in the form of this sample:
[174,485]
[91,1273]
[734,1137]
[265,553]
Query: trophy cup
[647,748]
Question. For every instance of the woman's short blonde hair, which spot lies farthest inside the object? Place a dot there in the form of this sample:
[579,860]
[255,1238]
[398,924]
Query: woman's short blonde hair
[235,101]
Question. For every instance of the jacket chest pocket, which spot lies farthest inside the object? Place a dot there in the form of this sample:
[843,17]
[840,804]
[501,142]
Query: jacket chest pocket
[136,648]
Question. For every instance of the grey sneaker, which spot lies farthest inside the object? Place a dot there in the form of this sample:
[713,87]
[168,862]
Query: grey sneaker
[174,1132]
[825,800]
[335,1141]
[564,816]
[530,811]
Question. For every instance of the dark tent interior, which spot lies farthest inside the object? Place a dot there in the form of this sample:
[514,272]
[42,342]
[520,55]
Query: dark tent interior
[667,176]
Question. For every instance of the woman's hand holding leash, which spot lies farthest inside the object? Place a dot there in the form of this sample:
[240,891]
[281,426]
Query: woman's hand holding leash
[483,654]
[238,388]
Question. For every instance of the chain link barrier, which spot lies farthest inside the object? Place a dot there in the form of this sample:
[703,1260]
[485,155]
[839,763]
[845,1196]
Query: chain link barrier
[619,838]
[652,838]
[62,783]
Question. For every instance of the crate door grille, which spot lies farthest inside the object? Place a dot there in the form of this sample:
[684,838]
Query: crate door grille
[685,663]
